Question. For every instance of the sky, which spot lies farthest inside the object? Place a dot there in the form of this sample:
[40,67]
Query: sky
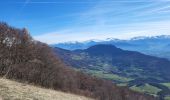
[56,21]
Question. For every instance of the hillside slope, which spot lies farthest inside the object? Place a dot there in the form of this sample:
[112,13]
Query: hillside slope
[128,68]
[11,90]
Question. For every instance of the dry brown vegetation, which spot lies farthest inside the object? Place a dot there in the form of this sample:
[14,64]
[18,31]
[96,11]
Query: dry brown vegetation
[27,60]
[11,90]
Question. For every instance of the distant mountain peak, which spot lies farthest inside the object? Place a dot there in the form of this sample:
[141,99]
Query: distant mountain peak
[139,38]
[106,46]
[151,37]
[116,39]
[162,36]
[103,49]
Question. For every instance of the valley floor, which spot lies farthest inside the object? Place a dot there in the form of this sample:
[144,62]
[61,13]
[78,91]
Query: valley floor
[11,90]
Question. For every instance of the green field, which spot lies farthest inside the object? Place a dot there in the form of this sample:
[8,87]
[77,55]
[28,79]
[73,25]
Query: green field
[149,89]
[109,76]
[166,84]
[167,98]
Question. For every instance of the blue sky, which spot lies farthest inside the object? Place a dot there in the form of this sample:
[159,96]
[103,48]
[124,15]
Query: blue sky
[53,21]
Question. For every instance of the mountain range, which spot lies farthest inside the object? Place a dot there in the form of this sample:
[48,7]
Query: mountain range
[157,45]
[128,68]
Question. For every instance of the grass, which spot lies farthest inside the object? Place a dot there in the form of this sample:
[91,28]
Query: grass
[149,89]
[76,57]
[122,84]
[109,76]
[166,84]
[167,98]
[11,90]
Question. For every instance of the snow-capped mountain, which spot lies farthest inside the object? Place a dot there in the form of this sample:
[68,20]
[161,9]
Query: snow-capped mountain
[155,45]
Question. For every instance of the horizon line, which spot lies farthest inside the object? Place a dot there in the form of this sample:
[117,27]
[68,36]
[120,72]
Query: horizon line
[112,38]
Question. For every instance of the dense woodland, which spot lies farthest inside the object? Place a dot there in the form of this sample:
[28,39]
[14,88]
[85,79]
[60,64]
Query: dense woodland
[26,60]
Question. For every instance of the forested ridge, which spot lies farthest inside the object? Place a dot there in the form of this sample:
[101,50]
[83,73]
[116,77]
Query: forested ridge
[29,61]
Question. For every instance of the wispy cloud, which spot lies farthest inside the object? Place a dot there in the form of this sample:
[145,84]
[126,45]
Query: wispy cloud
[24,4]
[57,2]
[117,18]
[121,32]
[94,1]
